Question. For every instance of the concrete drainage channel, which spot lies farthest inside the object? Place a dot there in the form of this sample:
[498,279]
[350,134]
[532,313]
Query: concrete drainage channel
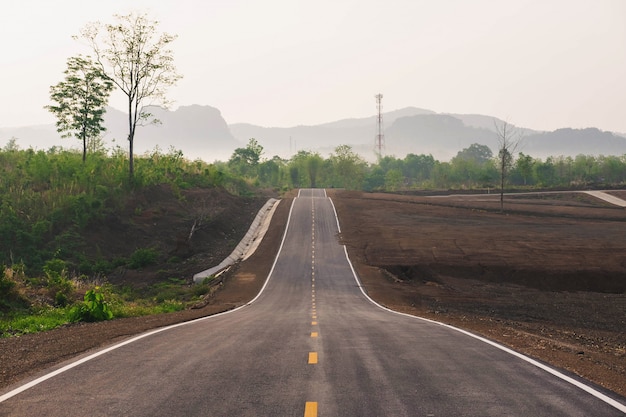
[248,244]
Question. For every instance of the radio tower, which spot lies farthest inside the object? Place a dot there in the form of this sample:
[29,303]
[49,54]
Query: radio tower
[380,135]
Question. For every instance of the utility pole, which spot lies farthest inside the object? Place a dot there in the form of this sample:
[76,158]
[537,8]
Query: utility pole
[380,135]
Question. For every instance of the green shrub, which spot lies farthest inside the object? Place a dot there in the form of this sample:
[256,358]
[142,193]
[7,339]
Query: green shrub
[10,298]
[200,290]
[93,308]
[143,257]
[58,282]
[61,299]
[54,267]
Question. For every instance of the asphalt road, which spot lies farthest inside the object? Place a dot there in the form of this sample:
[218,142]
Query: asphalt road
[310,344]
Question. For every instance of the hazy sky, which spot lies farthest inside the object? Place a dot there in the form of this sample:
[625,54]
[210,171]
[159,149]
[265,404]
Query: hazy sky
[541,64]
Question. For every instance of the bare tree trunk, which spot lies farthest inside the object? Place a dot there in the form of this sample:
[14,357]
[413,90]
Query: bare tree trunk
[508,141]
[502,175]
[131,138]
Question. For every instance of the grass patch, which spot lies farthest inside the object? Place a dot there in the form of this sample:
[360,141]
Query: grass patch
[46,319]
[136,309]
[168,296]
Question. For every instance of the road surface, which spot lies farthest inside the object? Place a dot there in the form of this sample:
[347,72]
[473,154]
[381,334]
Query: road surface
[310,344]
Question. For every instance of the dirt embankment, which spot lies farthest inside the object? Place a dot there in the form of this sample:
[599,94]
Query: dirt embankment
[157,218]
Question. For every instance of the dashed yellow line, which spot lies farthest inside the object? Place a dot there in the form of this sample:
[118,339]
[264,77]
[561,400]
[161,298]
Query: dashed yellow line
[310,409]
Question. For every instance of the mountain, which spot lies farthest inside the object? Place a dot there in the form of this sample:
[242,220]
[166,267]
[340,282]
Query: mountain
[199,131]
[419,131]
[286,141]
[437,134]
[368,122]
[590,141]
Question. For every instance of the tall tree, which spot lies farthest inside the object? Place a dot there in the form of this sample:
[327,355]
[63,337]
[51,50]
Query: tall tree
[525,166]
[349,167]
[244,161]
[477,153]
[80,101]
[313,165]
[509,139]
[418,168]
[138,61]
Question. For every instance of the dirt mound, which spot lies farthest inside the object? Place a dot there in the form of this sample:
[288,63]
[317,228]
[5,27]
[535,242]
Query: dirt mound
[190,230]
[154,218]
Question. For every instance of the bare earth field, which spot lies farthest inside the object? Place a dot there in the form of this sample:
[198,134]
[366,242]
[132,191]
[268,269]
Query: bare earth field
[547,277]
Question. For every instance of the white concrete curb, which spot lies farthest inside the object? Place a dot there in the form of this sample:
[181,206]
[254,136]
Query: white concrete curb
[248,244]
[616,201]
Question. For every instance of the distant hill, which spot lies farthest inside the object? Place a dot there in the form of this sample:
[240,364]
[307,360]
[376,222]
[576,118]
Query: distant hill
[357,132]
[419,131]
[437,134]
[201,132]
[368,122]
[590,141]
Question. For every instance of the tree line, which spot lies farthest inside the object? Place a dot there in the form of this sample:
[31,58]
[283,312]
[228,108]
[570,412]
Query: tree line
[473,168]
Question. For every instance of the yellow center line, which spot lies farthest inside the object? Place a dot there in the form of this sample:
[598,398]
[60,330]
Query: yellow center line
[312,358]
[313,334]
[313,323]
[310,409]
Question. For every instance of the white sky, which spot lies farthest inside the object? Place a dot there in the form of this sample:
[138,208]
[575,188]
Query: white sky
[541,64]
